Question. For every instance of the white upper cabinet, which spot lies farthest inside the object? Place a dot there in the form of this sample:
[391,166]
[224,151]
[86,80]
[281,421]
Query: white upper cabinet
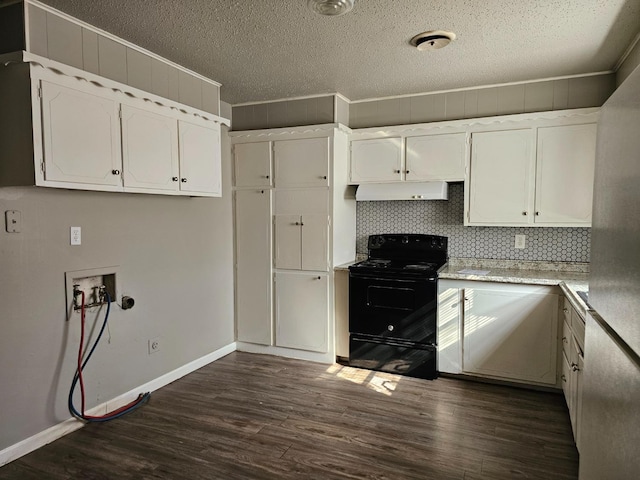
[436,157]
[376,160]
[81,137]
[87,132]
[200,158]
[149,149]
[540,176]
[302,162]
[252,164]
[564,174]
[501,181]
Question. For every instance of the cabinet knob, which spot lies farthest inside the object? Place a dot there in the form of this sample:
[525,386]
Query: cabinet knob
[565,310]
[390,328]
[574,367]
[563,377]
[297,223]
[396,171]
[302,224]
[183,180]
[406,171]
[175,179]
[537,213]
[564,339]
[324,177]
[261,191]
[319,278]
[115,172]
[524,213]
[266,176]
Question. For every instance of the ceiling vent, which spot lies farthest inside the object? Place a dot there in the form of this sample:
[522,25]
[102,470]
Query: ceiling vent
[432,40]
[333,8]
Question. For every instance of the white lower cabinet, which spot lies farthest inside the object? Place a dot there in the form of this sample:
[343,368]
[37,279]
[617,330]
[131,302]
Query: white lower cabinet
[501,331]
[302,310]
[253,266]
[572,365]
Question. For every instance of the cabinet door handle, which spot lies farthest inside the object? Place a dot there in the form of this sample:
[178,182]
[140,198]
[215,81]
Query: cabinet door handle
[574,367]
[564,340]
[406,171]
[115,172]
[302,224]
[183,180]
[266,176]
[563,377]
[319,278]
[396,171]
[324,177]
[297,223]
[174,179]
[524,213]
[537,213]
[261,191]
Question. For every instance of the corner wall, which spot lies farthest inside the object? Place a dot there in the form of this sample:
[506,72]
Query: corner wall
[176,260]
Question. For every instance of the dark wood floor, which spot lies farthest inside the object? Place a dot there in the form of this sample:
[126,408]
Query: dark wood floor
[258,417]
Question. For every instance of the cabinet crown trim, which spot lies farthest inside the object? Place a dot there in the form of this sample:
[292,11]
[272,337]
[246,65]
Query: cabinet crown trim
[450,126]
[51,68]
[322,129]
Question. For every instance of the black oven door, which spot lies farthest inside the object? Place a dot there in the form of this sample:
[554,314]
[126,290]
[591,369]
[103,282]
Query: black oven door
[400,308]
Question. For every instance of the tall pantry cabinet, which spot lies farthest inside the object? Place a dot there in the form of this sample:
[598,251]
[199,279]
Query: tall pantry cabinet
[294,222]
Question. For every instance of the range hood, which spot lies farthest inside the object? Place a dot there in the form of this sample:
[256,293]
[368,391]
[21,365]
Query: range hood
[403,191]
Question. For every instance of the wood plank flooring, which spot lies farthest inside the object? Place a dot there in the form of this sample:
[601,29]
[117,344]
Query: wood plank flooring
[250,416]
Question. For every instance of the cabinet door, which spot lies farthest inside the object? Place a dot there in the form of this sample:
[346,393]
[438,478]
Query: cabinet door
[376,160]
[81,137]
[511,335]
[302,163]
[149,150]
[564,174]
[449,341]
[501,177]
[252,164]
[288,242]
[315,239]
[200,165]
[253,266]
[302,311]
[436,157]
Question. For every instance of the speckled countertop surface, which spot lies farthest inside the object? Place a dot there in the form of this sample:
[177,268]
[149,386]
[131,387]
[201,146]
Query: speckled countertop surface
[570,277]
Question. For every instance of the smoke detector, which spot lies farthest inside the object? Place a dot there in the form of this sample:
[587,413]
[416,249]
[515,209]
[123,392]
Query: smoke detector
[432,40]
[332,8]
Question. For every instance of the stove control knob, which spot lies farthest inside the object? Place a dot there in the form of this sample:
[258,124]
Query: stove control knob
[390,328]
[405,239]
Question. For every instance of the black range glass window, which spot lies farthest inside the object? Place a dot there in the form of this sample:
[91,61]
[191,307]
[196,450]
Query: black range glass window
[391,297]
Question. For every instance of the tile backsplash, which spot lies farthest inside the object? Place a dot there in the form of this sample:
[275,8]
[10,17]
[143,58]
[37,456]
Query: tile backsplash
[446,218]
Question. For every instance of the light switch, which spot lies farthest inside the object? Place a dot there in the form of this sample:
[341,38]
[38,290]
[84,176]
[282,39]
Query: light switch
[520,241]
[76,236]
[13,221]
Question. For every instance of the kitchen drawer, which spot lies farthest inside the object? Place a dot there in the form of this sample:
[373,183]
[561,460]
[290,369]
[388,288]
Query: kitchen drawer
[566,338]
[566,379]
[577,327]
[566,310]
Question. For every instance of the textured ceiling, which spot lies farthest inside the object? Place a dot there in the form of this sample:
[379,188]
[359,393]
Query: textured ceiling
[270,49]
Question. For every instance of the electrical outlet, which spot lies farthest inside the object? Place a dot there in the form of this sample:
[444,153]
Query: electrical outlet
[76,236]
[520,241]
[154,345]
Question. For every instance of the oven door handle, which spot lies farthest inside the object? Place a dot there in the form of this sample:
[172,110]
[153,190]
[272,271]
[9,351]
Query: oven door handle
[398,278]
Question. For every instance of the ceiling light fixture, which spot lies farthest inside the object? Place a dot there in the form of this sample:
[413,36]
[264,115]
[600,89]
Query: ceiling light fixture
[432,40]
[332,8]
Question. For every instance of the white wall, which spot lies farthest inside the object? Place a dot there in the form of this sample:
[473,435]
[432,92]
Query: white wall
[175,256]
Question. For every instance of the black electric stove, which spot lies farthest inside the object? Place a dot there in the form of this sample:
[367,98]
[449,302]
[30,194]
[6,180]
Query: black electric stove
[393,304]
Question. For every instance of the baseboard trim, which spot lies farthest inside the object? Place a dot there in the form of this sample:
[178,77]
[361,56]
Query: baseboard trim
[327,358]
[40,439]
